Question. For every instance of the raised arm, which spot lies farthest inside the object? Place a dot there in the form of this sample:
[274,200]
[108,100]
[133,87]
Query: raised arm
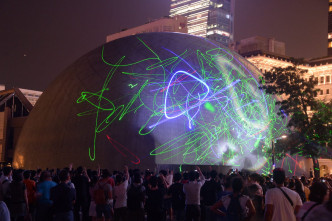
[126,172]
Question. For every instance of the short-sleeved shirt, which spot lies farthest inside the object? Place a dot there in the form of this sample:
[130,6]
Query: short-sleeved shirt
[193,191]
[44,188]
[120,195]
[283,210]
[31,190]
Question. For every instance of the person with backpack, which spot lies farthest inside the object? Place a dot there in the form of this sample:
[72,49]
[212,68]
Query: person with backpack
[318,192]
[136,199]
[103,197]
[281,202]
[236,204]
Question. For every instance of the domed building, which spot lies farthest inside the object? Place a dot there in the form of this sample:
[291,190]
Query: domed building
[150,99]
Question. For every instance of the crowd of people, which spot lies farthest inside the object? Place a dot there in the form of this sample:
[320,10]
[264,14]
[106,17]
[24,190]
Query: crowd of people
[130,195]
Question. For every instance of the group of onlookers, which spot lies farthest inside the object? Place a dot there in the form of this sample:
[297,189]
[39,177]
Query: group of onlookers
[131,195]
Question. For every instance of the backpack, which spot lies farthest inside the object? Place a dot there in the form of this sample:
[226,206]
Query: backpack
[234,210]
[135,196]
[101,195]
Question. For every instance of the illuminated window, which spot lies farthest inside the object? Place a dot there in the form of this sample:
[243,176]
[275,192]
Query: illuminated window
[328,79]
[330,44]
[327,91]
[329,35]
[322,79]
[330,8]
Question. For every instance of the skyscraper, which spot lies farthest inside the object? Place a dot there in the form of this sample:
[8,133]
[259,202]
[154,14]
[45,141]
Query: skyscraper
[212,19]
[329,36]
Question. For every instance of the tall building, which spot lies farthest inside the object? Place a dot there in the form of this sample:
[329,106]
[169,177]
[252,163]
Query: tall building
[166,24]
[329,35]
[212,19]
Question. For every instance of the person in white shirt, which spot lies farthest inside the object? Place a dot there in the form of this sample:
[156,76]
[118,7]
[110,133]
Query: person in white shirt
[281,202]
[120,195]
[192,191]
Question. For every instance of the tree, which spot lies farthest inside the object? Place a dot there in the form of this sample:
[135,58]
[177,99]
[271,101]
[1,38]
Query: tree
[309,122]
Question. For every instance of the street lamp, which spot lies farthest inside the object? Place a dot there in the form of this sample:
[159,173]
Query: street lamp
[274,141]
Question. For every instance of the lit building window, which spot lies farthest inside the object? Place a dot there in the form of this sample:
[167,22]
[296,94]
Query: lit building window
[330,8]
[330,44]
[329,35]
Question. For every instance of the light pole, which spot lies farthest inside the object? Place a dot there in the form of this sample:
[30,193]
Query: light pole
[273,142]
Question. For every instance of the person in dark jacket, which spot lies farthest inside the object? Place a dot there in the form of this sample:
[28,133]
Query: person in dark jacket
[63,198]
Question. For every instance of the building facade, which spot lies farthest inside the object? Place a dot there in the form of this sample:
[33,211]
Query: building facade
[212,19]
[167,24]
[329,35]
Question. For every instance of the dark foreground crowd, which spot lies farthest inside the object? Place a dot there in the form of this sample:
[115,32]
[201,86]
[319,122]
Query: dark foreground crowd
[130,195]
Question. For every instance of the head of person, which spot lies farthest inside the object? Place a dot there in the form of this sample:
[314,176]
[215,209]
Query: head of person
[255,177]
[163,172]
[137,178]
[64,176]
[177,177]
[45,175]
[153,181]
[304,180]
[27,174]
[7,171]
[298,186]
[79,170]
[17,176]
[119,178]
[279,175]
[105,174]
[192,175]
[213,174]
[318,191]
[237,184]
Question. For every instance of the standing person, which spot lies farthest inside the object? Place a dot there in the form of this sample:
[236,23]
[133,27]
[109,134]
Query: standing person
[318,192]
[177,197]
[44,203]
[136,199]
[31,191]
[192,190]
[5,180]
[209,194]
[155,201]
[236,204]
[81,181]
[120,196]
[103,197]
[63,198]
[4,212]
[18,205]
[281,202]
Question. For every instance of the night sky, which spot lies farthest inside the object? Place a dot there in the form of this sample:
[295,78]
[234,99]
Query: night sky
[40,38]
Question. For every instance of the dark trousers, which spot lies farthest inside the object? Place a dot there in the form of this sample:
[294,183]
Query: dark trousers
[136,214]
[178,214]
[84,206]
[120,214]
[156,215]
[65,216]
[193,212]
